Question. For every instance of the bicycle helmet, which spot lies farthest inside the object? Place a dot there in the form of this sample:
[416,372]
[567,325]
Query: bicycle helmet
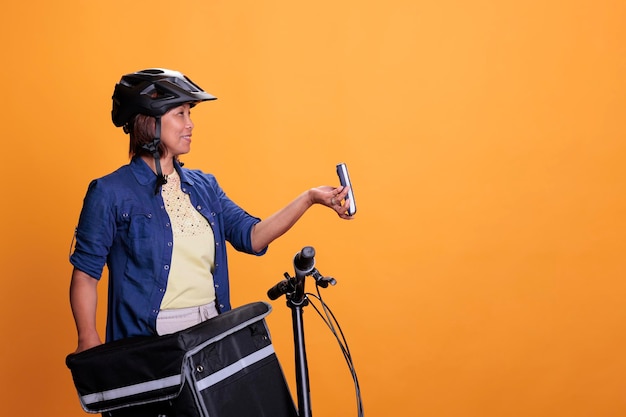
[153,92]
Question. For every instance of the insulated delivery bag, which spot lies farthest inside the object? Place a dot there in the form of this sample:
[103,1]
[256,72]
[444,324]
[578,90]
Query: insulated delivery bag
[223,367]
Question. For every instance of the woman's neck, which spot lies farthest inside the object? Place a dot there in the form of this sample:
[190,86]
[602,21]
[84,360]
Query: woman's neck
[167,164]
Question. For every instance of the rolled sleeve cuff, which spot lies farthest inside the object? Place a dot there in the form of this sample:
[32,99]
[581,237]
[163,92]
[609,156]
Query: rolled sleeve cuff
[90,265]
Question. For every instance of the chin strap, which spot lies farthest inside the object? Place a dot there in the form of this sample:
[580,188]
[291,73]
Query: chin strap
[153,148]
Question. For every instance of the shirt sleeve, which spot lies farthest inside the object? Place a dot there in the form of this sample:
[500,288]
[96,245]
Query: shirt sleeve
[238,224]
[95,232]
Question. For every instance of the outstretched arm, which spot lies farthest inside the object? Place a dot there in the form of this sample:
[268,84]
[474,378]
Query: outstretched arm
[84,300]
[266,231]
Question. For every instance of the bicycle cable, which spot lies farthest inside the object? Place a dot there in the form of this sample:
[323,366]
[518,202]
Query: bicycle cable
[329,318]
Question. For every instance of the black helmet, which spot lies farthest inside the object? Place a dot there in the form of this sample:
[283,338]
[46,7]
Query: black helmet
[153,92]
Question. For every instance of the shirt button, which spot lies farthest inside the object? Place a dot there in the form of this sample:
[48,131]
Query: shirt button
[169,244]
[221,306]
[166,267]
[167,225]
[213,213]
[216,265]
[199,207]
[149,215]
[217,243]
[217,285]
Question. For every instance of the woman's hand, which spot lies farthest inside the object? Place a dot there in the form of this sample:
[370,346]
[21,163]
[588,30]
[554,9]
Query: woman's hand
[88,343]
[334,198]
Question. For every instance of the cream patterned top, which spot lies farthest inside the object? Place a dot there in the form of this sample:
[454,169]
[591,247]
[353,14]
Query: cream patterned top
[190,280]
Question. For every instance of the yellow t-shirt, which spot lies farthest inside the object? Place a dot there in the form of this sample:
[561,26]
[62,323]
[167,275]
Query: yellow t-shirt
[190,280]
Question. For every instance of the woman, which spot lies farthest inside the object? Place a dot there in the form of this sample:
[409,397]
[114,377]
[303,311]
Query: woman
[160,228]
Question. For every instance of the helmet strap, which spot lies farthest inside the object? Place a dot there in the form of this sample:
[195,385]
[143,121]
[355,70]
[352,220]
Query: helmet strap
[153,148]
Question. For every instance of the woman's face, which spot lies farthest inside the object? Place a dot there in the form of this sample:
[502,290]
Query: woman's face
[176,127]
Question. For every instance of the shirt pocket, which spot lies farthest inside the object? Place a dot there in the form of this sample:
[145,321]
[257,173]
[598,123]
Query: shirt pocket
[135,226]
[136,230]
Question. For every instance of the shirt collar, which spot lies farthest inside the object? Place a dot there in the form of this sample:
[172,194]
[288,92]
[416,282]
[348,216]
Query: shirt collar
[184,178]
[144,174]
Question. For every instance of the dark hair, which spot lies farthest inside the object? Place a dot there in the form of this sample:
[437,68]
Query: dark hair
[142,130]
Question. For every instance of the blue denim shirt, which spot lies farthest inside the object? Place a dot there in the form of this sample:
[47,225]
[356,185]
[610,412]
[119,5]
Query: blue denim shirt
[124,225]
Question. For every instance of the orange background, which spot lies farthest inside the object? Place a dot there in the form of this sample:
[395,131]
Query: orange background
[484,273]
